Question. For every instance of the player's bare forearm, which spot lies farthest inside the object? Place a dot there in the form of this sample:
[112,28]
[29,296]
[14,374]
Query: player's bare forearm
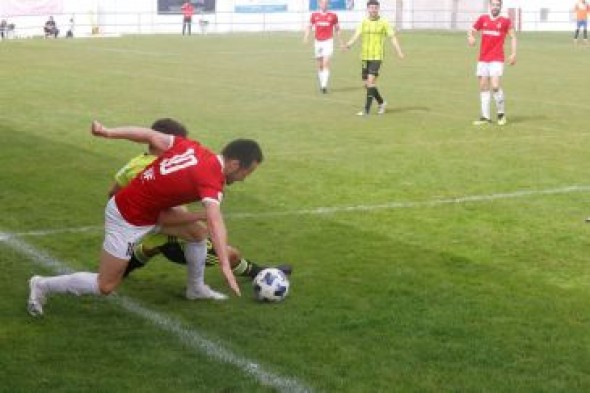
[397,47]
[351,41]
[218,235]
[471,38]
[132,133]
[513,46]
[179,215]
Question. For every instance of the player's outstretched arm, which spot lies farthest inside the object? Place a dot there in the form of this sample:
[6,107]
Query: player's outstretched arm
[471,37]
[513,45]
[134,134]
[218,235]
[397,47]
[352,40]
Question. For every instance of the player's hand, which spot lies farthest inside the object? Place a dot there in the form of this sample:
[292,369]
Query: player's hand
[98,129]
[512,59]
[471,40]
[231,280]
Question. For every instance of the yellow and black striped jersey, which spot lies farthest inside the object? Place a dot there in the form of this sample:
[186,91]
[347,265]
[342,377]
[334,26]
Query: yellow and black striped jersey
[373,33]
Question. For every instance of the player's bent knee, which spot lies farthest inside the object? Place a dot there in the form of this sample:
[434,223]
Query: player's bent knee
[106,288]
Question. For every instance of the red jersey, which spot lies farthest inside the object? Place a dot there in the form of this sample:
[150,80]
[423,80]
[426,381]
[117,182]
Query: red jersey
[186,172]
[187,9]
[493,34]
[324,23]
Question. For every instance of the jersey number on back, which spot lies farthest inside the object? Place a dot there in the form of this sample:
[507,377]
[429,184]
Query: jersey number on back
[178,162]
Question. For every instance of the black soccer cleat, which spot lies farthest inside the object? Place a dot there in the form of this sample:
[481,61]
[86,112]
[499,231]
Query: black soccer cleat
[285,268]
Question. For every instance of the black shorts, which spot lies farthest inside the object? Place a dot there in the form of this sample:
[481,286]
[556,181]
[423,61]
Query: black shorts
[370,67]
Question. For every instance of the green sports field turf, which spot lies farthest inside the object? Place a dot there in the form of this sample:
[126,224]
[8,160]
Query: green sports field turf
[429,255]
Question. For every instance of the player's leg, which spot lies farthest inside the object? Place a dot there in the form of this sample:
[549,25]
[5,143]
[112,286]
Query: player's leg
[120,238]
[498,95]
[364,77]
[195,253]
[328,50]
[374,67]
[496,72]
[485,97]
[241,266]
[146,250]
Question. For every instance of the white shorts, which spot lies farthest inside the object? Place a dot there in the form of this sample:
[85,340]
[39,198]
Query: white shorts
[324,48]
[493,68]
[120,236]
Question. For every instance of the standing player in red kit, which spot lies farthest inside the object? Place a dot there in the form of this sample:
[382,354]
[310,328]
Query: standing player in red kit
[185,172]
[490,67]
[325,24]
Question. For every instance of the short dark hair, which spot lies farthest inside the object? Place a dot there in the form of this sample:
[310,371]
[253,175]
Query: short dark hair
[372,2]
[170,126]
[246,151]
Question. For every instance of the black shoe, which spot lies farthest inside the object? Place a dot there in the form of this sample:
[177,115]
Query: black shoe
[285,268]
[324,90]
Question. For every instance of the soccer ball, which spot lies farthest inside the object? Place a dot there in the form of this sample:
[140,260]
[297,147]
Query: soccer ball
[271,285]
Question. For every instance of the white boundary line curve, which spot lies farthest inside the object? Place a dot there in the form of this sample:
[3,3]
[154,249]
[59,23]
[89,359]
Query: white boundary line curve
[190,337]
[344,209]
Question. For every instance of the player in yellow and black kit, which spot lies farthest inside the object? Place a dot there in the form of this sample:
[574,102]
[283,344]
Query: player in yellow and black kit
[171,247]
[373,30]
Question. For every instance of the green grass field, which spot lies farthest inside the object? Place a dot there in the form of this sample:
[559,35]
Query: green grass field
[429,255]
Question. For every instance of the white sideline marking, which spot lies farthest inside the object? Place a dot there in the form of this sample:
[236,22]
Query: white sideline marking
[190,337]
[342,209]
[407,205]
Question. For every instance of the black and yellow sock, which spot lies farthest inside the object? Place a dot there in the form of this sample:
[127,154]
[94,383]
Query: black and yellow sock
[376,95]
[247,268]
[369,99]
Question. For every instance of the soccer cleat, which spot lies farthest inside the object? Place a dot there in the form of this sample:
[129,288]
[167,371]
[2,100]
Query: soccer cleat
[482,121]
[324,90]
[381,108]
[36,297]
[362,113]
[501,119]
[204,292]
[285,268]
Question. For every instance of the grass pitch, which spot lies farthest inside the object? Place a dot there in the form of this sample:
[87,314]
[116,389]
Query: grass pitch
[430,255]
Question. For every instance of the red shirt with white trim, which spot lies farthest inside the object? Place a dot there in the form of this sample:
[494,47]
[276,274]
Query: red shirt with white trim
[324,23]
[493,33]
[186,172]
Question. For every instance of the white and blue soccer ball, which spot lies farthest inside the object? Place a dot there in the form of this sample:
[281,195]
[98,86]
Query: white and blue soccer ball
[271,285]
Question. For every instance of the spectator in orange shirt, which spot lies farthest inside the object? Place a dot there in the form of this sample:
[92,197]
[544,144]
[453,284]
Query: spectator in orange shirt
[187,12]
[581,10]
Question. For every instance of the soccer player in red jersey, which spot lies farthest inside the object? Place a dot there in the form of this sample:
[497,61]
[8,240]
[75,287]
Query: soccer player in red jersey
[325,24]
[187,16]
[185,172]
[490,67]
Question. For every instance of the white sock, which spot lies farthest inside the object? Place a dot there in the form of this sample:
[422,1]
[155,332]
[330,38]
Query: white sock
[196,256]
[499,98]
[325,76]
[485,104]
[82,283]
[321,79]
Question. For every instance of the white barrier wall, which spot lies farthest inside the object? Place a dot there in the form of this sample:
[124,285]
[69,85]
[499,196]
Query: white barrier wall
[115,17]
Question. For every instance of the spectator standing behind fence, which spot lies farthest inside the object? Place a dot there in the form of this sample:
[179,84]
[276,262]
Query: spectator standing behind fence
[187,19]
[3,29]
[581,11]
[50,28]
